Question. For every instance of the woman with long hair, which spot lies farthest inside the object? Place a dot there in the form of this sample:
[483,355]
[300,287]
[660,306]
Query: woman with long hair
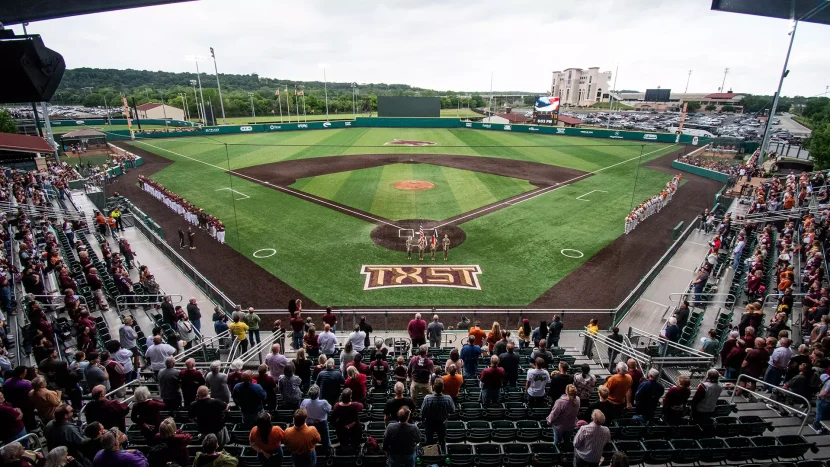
[175,442]
[266,440]
[524,334]
[494,335]
[539,333]
[312,346]
[302,367]
[563,415]
[455,359]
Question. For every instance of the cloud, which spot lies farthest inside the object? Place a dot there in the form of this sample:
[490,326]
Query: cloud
[455,45]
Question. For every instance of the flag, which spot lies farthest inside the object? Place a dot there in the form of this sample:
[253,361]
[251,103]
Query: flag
[300,93]
[434,240]
[277,93]
[420,233]
[212,54]
[272,111]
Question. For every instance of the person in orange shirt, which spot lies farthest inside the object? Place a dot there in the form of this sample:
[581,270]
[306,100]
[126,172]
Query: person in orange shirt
[301,440]
[101,222]
[478,334]
[113,225]
[266,440]
[619,389]
[452,382]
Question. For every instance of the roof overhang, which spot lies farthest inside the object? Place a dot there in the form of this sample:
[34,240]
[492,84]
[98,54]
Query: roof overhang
[811,11]
[15,12]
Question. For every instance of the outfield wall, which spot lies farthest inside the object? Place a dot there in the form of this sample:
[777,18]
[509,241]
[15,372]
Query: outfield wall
[366,122]
[706,173]
[119,121]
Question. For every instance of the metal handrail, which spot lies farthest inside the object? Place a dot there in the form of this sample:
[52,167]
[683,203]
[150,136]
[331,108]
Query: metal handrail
[698,354]
[684,294]
[121,303]
[234,346]
[804,414]
[34,436]
[113,391]
[256,350]
[614,345]
[202,344]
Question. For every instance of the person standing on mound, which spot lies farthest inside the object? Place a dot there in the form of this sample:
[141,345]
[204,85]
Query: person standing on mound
[433,245]
[408,247]
[446,245]
[422,245]
[191,237]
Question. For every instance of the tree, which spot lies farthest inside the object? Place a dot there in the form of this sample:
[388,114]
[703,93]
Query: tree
[692,106]
[711,107]
[819,146]
[7,124]
[727,108]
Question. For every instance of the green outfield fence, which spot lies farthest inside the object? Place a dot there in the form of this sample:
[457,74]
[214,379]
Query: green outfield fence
[120,121]
[365,122]
[706,173]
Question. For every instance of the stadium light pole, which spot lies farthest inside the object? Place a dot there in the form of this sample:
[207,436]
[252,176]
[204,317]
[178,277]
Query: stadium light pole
[196,59]
[354,99]
[687,81]
[221,103]
[253,112]
[164,109]
[325,89]
[637,174]
[196,99]
[784,73]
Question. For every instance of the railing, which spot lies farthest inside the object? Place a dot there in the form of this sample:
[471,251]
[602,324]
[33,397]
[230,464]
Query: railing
[256,349]
[201,346]
[682,295]
[34,437]
[803,413]
[112,392]
[213,293]
[604,344]
[124,303]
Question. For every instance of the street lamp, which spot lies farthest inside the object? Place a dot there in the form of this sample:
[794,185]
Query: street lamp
[196,58]
[325,89]
[253,112]
[221,103]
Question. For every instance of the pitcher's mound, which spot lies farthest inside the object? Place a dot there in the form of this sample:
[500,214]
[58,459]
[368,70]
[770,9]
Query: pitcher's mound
[413,185]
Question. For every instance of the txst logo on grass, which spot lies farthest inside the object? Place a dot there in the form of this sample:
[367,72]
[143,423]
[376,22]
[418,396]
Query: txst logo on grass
[409,142]
[384,277]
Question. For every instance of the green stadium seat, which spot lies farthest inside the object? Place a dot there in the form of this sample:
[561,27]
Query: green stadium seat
[686,451]
[739,448]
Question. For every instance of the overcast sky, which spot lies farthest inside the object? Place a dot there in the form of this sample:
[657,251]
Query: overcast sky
[455,45]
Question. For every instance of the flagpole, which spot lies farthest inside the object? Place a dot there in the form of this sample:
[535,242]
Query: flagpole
[305,115]
[297,102]
[288,103]
[279,103]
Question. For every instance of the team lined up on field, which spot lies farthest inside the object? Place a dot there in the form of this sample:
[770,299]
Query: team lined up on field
[652,205]
[182,207]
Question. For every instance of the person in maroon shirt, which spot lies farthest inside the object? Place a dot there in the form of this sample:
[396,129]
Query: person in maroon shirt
[492,379]
[345,417]
[297,327]
[380,371]
[85,320]
[330,319]
[310,340]
[635,373]
[362,368]
[675,400]
[11,422]
[190,379]
[735,359]
[235,376]
[108,413]
[755,362]
[146,413]
[269,384]
[356,382]
[417,330]
[175,444]
[116,371]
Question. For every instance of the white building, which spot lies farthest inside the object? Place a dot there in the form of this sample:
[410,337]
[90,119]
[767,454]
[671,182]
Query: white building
[159,111]
[578,87]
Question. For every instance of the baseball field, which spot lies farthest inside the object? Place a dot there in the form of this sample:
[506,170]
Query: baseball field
[326,214]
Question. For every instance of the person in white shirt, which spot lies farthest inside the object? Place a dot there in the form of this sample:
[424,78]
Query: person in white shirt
[537,380]
[158,353]
[276,362]
[358,339]
[327,341]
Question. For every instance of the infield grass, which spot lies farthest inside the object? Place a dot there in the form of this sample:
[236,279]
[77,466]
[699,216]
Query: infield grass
[319,251]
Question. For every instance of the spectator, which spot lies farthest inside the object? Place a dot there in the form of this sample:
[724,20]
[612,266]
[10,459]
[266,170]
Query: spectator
[612,353]
[493,336]
[537,380]
[220,326]
[555,331]
[619,389]
[435,411]
[96,373]
[366,328]
[681,314]
[706,397]
[318,413]
[59,457]
[174,443]
[209,415]
[492,379]
[434,331]
[559,381]
[269,384]
[235,376]
[585,382]
[190,379]
[674,403]
[478,334]
[779,363]
[290,387]
[419,370]
[589,442]
[563,415]
[157,354]
[211,456]
[648,395]
[347,356]
[509,361]
[469,357]
[330,380]
[218,382]
[540,333]
[379,369]
[619,459]
[266,440]
[44,400]
[11,422]
[146,413]
[194,314]
[393,405]
[186,331]
[302,368]
[710,344]
[635,373]
[754,362]
[454,359]
[249,396]
[297,325]
[92,440]
[301,441]
[252,320]
[330,319]
[452,382]
[116,372]
[327,341]
[239,330]
[400,441]
[501,345]
[276,361]
[356,382]
[357,338]
[169,385]
[542,352]
[417,331]
[128,336]
[108,413]
[400,370]
[524,333]
[60,431]
[16,390]
[822,404]
[345,417]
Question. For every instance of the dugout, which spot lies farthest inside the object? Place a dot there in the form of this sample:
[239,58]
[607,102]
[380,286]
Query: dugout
[24,152]
[92,139]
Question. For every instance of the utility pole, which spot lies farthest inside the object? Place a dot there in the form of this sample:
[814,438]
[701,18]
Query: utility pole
[201,93]
[354,100]
[723,83]
[490,104]
[687,82]
[196,98]
[221,103]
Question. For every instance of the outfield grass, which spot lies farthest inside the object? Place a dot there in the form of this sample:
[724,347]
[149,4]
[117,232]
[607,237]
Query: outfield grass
[456,191]
[320,251]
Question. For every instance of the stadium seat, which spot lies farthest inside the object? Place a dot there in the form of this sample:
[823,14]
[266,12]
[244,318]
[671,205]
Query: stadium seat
[713,450]
[471,411]
[504,431]
[545,454]
[528,431]
[739,448]
[478,431]
[658,452]
[456,432]
[516,454]
[487,454]
[437,459]
[766,447]
[629,428]
[634,449]
[726,427]
[686,451]
[461,454]
[515,411]
[795,446]
[753,425]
